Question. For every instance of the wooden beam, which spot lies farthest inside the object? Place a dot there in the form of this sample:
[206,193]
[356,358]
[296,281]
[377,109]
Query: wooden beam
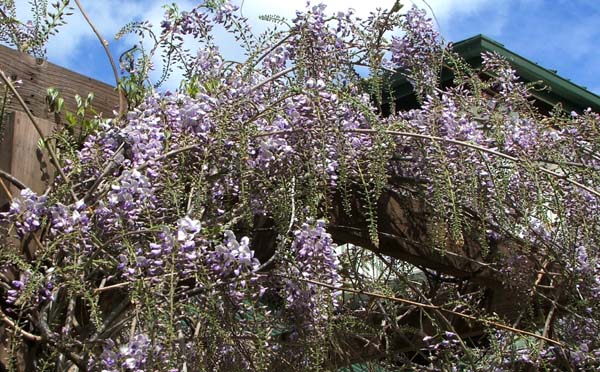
[407,231]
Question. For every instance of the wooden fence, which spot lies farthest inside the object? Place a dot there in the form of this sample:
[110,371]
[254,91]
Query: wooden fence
[19,152]
[37,75]
[20,155]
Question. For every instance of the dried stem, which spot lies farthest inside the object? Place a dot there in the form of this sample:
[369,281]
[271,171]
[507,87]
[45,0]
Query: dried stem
[15,181]
[435,308]
[53,156]
[104,42]
[14,326]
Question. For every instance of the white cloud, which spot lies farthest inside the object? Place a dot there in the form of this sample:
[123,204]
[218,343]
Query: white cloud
[110,15]
[443,9]
[252,9]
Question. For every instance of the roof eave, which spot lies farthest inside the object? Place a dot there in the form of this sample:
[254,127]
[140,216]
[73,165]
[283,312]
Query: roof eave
[558,89]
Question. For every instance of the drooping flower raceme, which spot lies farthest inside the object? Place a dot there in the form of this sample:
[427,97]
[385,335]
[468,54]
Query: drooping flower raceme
[315,259]
[233,257]
[418,51]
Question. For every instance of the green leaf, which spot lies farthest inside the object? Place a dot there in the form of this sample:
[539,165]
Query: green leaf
[71,119]
[78,100]
[89,99]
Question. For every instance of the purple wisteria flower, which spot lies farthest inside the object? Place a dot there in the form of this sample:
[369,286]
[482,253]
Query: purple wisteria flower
[233,257]
[418,51]
[131,357]
[316,260]
[27,212]
[189,251]
[126,200]
[18,288]
[69,219]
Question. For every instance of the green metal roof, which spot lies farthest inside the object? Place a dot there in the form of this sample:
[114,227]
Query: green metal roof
[556,88]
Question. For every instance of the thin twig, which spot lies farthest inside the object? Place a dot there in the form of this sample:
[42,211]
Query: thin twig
[293,205]
[272,48]
[547,326]
[15,181]
[273,77]
[39,131]
[433,307]
[125,284]
[6,190]
[14,326]
[104,43]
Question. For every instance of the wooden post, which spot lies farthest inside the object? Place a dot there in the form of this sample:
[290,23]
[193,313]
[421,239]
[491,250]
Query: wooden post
[20,155]
[19,152]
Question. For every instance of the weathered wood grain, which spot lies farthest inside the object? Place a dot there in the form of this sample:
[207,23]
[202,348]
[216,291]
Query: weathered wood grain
[38,75]
[6,136]
[21,156]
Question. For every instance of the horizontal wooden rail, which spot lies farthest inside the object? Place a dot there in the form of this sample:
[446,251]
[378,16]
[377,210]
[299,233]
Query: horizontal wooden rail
[37,76]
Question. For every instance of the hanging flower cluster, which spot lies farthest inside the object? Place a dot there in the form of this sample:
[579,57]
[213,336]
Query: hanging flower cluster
[315,260]
[27,212]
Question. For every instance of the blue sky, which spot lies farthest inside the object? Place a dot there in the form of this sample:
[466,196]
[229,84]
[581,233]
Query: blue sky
[563,35]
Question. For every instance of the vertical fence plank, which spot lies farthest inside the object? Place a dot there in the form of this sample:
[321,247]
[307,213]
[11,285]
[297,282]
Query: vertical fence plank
[6,136]
[21,155]
[29,163]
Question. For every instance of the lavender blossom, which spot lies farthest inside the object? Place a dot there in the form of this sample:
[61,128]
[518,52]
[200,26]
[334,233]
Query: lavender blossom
[131,356]
[418,51]
[316,259]
[27,212]
[233,257]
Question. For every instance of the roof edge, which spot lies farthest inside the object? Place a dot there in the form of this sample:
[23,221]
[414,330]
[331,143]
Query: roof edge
[558,86]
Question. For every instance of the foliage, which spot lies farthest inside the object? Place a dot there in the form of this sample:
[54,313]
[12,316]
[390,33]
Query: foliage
[267,216]
[32,36]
